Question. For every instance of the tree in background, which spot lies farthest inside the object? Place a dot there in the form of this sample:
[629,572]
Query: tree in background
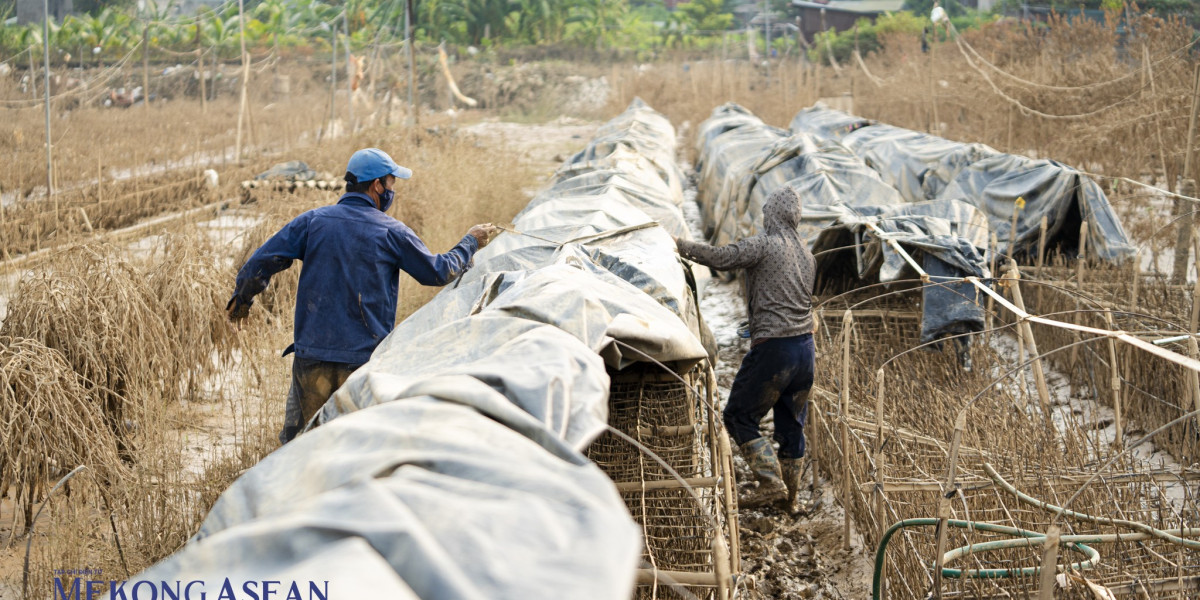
[706,15]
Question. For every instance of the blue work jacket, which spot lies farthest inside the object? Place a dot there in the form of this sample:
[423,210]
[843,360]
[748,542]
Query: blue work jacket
[352,254]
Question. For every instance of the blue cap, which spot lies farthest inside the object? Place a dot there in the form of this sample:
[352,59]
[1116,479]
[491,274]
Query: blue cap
[372,163]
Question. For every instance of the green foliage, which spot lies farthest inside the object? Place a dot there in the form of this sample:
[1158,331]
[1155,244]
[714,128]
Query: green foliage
[705,15]
[843,43]
[642,26]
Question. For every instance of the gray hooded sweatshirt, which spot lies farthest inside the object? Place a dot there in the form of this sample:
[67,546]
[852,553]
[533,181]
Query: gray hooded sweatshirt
[779,269]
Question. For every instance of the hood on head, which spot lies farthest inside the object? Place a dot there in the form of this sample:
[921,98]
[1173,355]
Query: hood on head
[782,210]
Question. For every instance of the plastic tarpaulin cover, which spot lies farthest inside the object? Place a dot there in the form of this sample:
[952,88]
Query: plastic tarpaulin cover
[849,210]
[450,465]
[926,167]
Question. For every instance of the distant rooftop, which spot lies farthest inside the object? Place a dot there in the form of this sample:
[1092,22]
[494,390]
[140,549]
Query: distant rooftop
[862,6]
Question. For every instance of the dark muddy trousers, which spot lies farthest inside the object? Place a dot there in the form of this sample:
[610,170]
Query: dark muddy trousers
[776,374]
[313,382]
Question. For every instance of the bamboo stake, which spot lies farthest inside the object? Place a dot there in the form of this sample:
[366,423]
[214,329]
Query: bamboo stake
[847,326]
[1115,383]
[1039,376]
[933,123]
[1194,321]
[1041,259]
[1012,227]
[1049,564]
[146,66]
[350,73]
[1193,377]
[32,75]
[200,65]
[731,507]
[46,90]
[1011,110]
[1023,397]
[245,78]
[721,566]
[880,506]
[992,244]
[1080,271]
[960,423]
[1081,265]
[414,117]
[1187,161]
[1137,279]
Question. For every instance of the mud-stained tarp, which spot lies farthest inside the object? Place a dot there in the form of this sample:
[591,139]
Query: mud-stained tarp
[850,212]
[926,167]
[728,144]
[450,465]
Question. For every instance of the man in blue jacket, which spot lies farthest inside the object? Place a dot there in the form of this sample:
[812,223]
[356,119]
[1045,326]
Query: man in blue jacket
[346,302]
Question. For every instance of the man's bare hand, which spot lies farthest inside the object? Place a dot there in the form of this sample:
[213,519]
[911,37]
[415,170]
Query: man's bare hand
[483,233]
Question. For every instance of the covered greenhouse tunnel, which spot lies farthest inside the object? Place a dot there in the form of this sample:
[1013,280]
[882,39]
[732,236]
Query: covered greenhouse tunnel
[549,425]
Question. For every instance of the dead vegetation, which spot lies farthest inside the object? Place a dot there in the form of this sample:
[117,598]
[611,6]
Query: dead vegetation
[125,352]
[111,339]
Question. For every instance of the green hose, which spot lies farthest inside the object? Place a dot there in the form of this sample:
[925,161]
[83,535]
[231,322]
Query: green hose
[1028,538]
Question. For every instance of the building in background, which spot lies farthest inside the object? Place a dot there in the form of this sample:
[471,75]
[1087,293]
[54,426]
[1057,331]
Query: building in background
[30,11]
[839,15]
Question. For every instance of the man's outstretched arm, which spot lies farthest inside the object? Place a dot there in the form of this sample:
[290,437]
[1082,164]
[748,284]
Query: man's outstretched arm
[276,255]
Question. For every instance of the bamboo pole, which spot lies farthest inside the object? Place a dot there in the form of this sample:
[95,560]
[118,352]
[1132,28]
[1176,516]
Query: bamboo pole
[944,498]
[200,65]
[988,318]
[46,91]
[847,326]
[32,75]
[1009,146]
[350,73]
[1193,377]
[1191,146]
[1184,226]
[731,506]
[933,122]
[1194,320]
[1115,383]
[1046,579]
[245,77]
[1012,227]
[1023,397]
[880,468]
[1041,259]
[146,66]
[1080,271]
[414,117]
[332,81]
[1081,264]
[1039,376]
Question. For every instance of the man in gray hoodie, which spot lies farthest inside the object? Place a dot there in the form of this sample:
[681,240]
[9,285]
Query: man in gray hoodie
[777,373]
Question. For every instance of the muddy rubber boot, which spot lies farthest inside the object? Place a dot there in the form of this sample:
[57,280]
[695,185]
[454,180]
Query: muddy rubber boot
[793,472]
[760,455]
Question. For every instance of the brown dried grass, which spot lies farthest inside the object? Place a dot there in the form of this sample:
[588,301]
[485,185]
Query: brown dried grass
[51,424]
[905,86]
[93,306]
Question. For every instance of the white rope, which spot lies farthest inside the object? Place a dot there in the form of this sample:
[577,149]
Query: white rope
[104,77]
[1062,88]
[862,65]
[1033,111]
